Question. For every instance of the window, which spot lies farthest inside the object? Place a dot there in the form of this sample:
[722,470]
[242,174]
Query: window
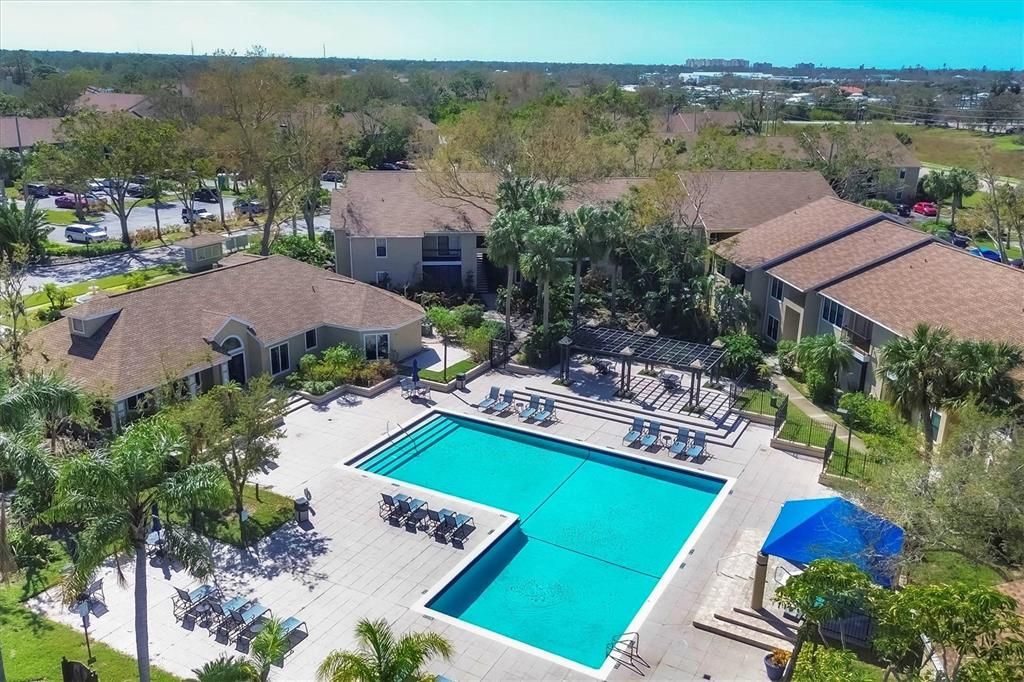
[903,173]
[377,346]
[772,328]
[77,325]
[832,312]
[311,339]
[279,360]
[776,289]
[899,195]
[481,241]
[382,247]
[383,278]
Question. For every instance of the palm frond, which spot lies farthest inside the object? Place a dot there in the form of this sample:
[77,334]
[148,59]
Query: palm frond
[346,666]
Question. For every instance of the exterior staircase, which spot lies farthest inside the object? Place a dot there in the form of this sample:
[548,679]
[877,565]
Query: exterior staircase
[482,284]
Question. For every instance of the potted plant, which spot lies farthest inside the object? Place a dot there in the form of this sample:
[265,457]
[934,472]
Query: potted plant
[775,663]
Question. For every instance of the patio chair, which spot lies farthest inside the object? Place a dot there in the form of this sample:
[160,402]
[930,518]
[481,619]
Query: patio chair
[679,445]
[408,388]
[463,527]
[505,404]
[653,431]
[387,506]
[699,445]
[184,601]
[530,409]
[221,610]
[548,413]
[291,626]
[241,621]
[635,431]
[491,399]
[434,518]
[450,524]
[412,510]
[422,391]
[95,587]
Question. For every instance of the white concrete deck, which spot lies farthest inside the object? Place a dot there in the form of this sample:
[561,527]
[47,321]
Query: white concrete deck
[350,564]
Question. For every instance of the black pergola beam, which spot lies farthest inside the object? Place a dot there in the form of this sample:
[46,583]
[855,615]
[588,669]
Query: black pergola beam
[696,358]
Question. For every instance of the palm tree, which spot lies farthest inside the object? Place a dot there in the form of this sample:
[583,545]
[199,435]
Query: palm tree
[383,657]
[113,494]
[226,668]
[962,182]
[983,369]
[22,228]
[826,354]
[916,372]
[544,261]
[268,647]
[504,246]
[938,186]
[616,221]
[588,233]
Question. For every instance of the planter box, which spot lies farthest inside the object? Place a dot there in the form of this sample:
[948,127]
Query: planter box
[482,368]
[524,369]
[756,418]
[363,391]
[798,448]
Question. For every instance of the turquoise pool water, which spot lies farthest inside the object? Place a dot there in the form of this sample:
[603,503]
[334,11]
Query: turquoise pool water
[596,531]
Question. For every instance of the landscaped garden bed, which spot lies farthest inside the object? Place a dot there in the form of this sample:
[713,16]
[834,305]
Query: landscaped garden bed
[338,366]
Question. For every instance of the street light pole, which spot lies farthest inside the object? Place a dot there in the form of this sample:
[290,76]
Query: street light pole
[83,610]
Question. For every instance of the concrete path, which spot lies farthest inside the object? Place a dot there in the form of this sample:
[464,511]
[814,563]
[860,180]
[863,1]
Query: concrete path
[816,413]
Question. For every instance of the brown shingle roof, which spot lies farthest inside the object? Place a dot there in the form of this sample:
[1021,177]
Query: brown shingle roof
[403,204]
[847,254]
[110,102]
[30,130]
[943,286]
[166,328]
[738,200]
[689,123]
[793,231]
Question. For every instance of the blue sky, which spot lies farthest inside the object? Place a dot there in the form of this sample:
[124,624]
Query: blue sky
[887,34]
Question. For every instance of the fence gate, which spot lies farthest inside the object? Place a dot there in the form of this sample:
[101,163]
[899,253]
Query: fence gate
[780,414]
[499,353]
[74,671]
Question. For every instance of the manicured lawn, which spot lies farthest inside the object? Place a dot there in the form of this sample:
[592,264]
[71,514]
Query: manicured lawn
[458,368]
[952,147]
[946,567]
[756,400]
[60,216]
[33,645]
[155,275]
[266,515]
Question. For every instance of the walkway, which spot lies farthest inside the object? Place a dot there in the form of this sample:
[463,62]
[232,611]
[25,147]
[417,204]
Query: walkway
[816,413]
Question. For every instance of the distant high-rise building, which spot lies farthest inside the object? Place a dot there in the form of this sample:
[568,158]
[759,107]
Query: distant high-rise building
[804,66]
[717,64]
[761,66]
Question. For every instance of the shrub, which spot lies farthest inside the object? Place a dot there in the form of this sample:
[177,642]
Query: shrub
[904,137]
[301,247]
[541,349]
[469,315]
[478,341]
[871,415]
[135,280]
[819,386]
[786,352]
[55,250]
[742,354]
[30,551]
[338,365]
[879,205]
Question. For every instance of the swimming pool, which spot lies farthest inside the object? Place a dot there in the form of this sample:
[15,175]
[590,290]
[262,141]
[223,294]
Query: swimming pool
[596,532]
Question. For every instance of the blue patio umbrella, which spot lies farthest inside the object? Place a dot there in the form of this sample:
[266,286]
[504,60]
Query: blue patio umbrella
[415,371]
[156,518]
[834,528]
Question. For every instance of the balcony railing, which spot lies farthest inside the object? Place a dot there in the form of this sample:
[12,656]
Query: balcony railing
[857,340]
[442,254]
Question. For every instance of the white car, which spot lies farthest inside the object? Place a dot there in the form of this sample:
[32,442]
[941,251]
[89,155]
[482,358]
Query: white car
[198,214]
[86,234]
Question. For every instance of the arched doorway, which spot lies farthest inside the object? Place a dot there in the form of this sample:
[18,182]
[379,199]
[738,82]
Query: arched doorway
[236,364]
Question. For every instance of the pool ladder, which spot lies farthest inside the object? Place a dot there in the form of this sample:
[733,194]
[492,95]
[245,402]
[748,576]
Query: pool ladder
[626,651]
[415,445]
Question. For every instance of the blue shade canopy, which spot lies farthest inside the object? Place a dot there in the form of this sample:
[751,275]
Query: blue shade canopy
[833,528]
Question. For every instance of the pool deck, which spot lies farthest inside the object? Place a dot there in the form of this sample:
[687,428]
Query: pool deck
[348,564]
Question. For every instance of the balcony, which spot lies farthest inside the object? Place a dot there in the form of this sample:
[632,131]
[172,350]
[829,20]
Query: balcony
[441,255]
[858,339]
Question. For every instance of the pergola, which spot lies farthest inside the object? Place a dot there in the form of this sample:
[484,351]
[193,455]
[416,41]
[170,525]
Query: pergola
[649,348]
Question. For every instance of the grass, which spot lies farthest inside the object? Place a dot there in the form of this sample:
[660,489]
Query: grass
[952,147]
[60,216]
[947,567]
[154,275]
[458,368]
[756,400]
[33,645]
[266,514]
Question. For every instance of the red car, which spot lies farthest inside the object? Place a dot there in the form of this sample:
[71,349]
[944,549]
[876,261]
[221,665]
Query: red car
[68,201]
[926,208]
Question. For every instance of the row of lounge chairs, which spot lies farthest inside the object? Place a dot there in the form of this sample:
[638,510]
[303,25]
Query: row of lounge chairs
[692,444]
[444,525]
[498,403]
[238,618]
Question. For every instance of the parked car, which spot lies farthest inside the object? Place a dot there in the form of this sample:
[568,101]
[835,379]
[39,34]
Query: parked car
[37,190]
[196,214]
[135,190]
[926,208]
[985,253]
[246,207]
[333,176]
[903,210]
[405,165]
[207,195]
[56,189]
[68,201]
[953,237]
[84,233]
[388,166]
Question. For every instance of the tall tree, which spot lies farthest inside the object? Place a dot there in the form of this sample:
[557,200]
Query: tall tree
[546,248]
[983,370]
[382,656]
[23,227]
[963,182]
[505,244]
[587,232]
[57,93]
[825,353]
[939,187]
[113,494]
[14,339]
[916,372]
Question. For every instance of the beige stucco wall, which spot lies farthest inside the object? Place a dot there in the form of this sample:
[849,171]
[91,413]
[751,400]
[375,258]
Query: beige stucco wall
[405,341]
[469,251]
[254,357]
[402,262]
[342,261]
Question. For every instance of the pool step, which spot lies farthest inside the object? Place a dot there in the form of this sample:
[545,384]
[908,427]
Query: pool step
[753,628]
[408,446]
[725,434]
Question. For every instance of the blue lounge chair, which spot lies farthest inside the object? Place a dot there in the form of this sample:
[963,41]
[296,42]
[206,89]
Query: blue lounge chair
[387,506]
[530,409]
[408,388]
[678,446]
[490,400]
[222,610]
[653,431]
[547,413]
[505,404]
[241,621]
[184,601]
[291,626]
[451,524]
[412,510]
[699,445]
[635,431]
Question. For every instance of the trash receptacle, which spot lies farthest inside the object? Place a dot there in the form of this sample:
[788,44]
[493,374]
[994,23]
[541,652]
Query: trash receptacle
[301,509]
[222,181]
[460,381]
